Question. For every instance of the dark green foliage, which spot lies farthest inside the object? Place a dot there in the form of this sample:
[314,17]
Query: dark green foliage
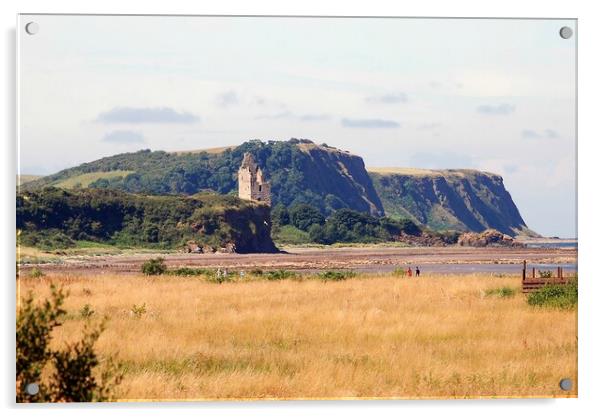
[300,172]
[136,220]
[50,239]
[503,292]
[190,272]
[350,226]
[86,311]
[555,296]
[336,275]
[302,216]
[155,266]
[73,380]
[279,274]
[280,215]
[70,370]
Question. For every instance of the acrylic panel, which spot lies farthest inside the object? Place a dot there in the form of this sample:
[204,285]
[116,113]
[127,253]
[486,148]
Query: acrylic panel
[235,208]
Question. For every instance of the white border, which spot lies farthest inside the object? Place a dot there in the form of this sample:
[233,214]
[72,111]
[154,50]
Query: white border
[590,346]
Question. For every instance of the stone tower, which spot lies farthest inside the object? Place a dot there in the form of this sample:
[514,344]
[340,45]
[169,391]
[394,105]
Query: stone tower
[251,185]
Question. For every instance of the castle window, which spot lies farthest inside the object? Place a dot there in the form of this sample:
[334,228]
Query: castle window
[259,187]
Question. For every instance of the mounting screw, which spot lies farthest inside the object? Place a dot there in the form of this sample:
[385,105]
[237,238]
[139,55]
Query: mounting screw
[32,28]
[566,32]
[32,389]
[566,384]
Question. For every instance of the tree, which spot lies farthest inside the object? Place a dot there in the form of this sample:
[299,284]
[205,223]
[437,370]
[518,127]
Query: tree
[71,370]
[280,215]
[302,216]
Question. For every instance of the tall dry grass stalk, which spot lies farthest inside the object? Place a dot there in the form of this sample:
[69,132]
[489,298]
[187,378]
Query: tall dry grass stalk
[377,336]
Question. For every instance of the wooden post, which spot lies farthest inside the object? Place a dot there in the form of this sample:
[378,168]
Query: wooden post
[533,273]
[524,270]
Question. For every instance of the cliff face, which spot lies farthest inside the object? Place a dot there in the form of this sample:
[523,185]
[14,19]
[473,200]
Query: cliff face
[299,171]
[464,200]
[340,177]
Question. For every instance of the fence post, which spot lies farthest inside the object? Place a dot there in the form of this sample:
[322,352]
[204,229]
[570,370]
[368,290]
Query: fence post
[524,270]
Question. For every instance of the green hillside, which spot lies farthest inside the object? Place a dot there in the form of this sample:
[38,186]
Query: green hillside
[55,218]
[300,172]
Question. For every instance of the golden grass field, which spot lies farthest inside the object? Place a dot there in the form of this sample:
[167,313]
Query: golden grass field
[366,337]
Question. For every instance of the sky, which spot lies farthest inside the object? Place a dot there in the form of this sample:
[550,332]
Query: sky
[491,94]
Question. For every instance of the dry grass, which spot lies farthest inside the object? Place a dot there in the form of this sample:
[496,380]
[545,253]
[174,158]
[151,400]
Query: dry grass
[84,180]
[375,336]
[217,150]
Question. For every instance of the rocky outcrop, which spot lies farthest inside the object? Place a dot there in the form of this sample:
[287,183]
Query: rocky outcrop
[489,237]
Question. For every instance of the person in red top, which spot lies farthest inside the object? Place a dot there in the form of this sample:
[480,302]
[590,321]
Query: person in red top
[409,271]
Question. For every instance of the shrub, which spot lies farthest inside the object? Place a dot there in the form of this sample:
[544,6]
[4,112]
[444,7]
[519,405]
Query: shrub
[138,311]
[555,296]
[189,272]
[279,274]
[336,275]
[155,266]
[280,216]
[256,271]
[61,375]
[400,272]
[302,216]
[36,272]
[545,274]
[503,292]
[86,311]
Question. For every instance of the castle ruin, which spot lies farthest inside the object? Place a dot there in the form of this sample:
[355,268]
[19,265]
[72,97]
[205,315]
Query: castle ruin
[251,185]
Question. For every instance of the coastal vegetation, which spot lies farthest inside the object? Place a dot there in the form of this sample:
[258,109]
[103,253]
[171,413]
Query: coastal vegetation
[305,337]
[55,218]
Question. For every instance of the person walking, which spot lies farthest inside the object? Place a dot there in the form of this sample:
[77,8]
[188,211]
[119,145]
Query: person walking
[409,271]
[417,272]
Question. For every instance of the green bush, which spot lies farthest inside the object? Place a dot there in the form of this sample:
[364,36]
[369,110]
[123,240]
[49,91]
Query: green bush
[555,296]
[62,375]
[336,275]
[545,274]
[302,216]
[190,272]
[36,272]
[138,310]
[503,292]
[154,266]
[86,311]
[279,274]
